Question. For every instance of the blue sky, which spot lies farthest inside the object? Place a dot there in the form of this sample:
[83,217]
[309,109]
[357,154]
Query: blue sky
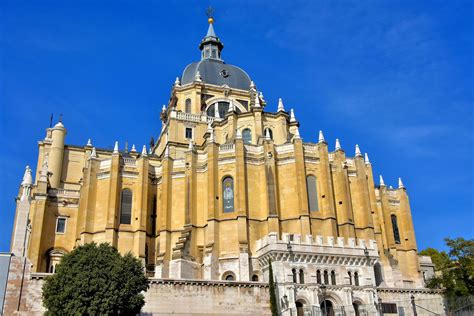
[396,77]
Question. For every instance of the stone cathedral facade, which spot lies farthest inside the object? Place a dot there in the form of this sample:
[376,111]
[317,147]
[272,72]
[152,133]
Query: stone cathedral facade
[228,187]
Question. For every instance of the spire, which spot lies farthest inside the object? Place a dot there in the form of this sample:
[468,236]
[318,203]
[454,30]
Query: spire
[133,150]
[27,178]
[338,145]
[281,108]
[292,116]
[176,82]
[321,137]
[116,149]
[366,159]
[382,184]
[400,184]
[144,154]
[211,46]
[252,85]
[163,108]
[93,153]
[89,143]
[357,151]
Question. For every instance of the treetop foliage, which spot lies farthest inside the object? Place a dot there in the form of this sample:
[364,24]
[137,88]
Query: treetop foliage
[96,280]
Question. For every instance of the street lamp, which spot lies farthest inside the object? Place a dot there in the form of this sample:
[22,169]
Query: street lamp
[323,291]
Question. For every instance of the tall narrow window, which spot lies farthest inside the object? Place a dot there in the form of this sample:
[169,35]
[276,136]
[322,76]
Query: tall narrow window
[350,277]
[326,277]
[153,217]
[356,278]
[228,194]
[396,233]
[333,278]
[247,136]
[126,207]
[312,193]
[301,276]
[61,225]
[318,277]
[293,272]
[188,105]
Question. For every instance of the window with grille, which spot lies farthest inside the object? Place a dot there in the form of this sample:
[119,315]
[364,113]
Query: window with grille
[61,225]
[396,233]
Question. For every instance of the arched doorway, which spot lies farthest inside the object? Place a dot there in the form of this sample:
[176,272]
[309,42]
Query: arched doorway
[327,309]
[299,308]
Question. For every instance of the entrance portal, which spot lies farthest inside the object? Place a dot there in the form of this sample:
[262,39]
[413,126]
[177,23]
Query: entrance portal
[299,308]
[327,308]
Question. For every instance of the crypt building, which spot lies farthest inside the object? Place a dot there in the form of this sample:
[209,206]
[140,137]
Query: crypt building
[228,188]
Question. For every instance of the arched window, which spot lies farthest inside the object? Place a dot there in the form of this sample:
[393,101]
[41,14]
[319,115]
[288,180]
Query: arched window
[318,277]
[255,278]
[378,274]
[350,277]
[126,207]
[333,277]
[326,277]
[54,257]
[270,132]
[356,278]
[293,271]
[188,105]
[228,276]
[396,233]
[228,194]
[218,109]
[301,276]
[312,193]
[247,136]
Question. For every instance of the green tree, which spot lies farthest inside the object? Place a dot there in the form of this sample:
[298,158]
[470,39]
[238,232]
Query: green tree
[271,283]
[457,275]
[96,280]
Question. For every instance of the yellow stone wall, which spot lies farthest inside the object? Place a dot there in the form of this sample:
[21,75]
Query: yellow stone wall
[186,185]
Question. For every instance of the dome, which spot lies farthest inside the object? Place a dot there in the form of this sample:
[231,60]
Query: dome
[216,72]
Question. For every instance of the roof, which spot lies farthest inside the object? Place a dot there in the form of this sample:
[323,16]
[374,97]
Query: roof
[216,72]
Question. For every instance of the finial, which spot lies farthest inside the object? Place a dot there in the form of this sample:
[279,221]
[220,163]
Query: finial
[292,116]
[133,150]
[400,184]
[357,151]
[163,108]
[267,134]
[89,143]
[167,151]
[198,76]
[116,149]
[297,133]
[382,183]
[252,85]
[366,159]
[257,101]
[27,178]
[338,144]
[144,153]
[176,82]
[238,134]
[261,96]
[93,153]
[281,108]
[191,145]
[209,14]
[321,137]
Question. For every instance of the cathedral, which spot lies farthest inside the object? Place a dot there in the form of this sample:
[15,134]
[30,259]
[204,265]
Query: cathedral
[228,188]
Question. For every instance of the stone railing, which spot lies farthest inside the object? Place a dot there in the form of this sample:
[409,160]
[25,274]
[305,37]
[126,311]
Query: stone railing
[130,162]
[188,117]
[310,147]
[63,193]
[226,148]
[253,149]
[285,148]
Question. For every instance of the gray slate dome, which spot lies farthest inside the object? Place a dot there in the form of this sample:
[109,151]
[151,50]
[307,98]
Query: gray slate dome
[214,71]
[212,68]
